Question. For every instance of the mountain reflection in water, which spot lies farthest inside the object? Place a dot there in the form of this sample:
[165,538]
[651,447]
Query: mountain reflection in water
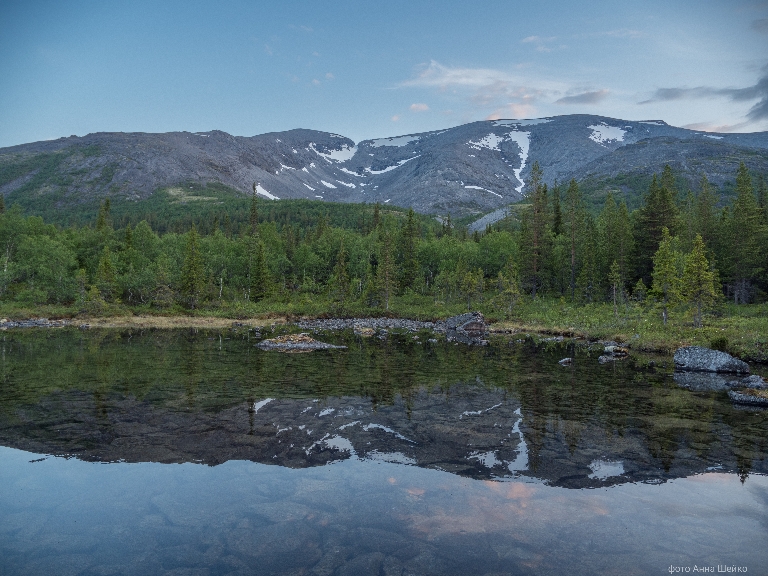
[390,457]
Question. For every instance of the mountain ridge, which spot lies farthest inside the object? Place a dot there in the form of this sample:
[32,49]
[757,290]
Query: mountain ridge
[473,168]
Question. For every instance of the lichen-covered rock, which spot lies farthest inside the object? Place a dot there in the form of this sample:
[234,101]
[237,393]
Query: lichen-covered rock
[700,359]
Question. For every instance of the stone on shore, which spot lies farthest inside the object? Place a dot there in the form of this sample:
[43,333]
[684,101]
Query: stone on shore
[700,359]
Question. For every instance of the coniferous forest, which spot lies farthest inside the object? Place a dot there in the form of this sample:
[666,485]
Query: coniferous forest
[681,258]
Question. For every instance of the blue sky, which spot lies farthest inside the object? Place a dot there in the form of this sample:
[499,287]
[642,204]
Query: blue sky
[373,69]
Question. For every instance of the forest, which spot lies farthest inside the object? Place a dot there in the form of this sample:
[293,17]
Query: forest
[681,254]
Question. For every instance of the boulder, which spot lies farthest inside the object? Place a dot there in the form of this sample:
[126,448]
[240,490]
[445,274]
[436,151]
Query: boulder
[470,328]
[700,359]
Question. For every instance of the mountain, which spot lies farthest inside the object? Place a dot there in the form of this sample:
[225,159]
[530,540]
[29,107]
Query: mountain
[470,169]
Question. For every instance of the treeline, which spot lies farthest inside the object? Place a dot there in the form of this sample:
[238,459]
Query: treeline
[676,248]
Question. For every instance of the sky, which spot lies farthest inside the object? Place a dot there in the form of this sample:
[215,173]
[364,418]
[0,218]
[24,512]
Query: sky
[366,69]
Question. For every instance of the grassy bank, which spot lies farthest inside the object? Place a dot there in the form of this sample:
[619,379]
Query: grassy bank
[739,330]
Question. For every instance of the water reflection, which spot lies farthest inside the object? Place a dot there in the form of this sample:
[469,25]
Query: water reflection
[386,458]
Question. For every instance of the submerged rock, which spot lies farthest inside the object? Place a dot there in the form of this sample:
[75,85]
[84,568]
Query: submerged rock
[700,359]
[470,328]
[295,343]
[749,397]
[702,381]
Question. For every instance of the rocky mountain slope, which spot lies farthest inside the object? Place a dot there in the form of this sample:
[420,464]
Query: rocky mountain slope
[470,169]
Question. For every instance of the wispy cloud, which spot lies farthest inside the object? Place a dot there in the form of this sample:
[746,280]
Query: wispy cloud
[329,76]
[759,92]
[395,118]
[484,89]
[418,107]
[593,97]
[542,44]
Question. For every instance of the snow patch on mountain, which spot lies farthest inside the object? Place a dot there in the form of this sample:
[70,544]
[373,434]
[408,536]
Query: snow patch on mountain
[522,139]
[347,184]
[491,142]
[395,142]
[345,153]
[327,184]
[347,171]
[602,133]
[388,168]
[308,186]
[484,190]
[260,190]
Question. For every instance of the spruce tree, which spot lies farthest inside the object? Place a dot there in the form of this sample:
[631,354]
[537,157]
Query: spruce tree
[746,240]
[574,219]
[260,282]
[386,273]
[2,204]
[706,215]
[616,283]
[106,278]
[253,216]
[698,285]
[192,278]
[762,197]
[658,212]
[535,234]
[666,280]
[339,283]
[557,213]
[409,264]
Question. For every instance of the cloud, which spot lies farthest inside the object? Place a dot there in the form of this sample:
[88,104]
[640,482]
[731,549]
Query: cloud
[395,118]
[418,107]
[759,91]
[760,25]
[593,97]
[539,42]
[487,89]
[711,127]
[329,76]
[512,110]
[316,82]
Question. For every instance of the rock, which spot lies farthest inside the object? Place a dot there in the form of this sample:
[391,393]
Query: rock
[616,350]
[700,359]
[470,328]
[566,362]
[755,382]
[605,358]
[295,343]
[747,399]
[703,381]
[364,331]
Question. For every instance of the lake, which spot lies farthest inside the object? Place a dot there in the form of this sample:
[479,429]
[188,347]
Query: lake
[194,452]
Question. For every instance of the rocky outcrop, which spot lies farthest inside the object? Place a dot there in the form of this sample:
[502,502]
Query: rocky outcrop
[470,328]
[700,359]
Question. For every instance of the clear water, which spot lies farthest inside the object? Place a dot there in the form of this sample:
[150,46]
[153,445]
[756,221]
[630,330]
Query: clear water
[195,453]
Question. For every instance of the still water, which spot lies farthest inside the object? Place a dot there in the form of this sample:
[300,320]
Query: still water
[181,452]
